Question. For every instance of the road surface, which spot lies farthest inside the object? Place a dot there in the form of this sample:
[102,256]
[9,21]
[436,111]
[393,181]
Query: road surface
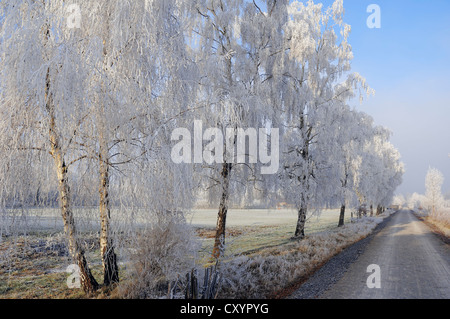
[413,264]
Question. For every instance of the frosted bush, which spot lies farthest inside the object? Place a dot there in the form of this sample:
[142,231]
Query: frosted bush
[159,254]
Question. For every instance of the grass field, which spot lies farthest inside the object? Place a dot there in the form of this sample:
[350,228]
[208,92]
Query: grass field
[249,231]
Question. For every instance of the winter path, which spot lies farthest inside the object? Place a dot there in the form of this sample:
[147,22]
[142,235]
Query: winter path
[413,264]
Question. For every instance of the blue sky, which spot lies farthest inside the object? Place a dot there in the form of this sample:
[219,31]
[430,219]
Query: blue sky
[407,62]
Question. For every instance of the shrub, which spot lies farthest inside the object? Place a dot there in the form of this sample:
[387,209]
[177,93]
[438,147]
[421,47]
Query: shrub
[157,256]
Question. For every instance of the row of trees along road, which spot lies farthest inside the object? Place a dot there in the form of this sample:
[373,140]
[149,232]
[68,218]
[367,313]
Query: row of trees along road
[96,105]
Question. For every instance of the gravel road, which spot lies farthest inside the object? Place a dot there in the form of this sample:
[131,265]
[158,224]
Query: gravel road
[413,264]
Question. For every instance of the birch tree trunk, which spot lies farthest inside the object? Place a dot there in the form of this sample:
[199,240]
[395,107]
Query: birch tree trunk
[342,216]
[344,186]
[379,210]
[301,221]
[109,259]
[304,179]
[219,241]
[88,282]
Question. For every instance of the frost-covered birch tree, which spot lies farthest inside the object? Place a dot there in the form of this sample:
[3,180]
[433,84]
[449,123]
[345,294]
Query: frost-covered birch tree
[380,170]
[433,185]
[235,43]
[317,80]
[348,132]
[40,87]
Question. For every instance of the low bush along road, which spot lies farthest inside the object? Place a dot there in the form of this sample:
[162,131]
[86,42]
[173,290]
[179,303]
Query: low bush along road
[404,260]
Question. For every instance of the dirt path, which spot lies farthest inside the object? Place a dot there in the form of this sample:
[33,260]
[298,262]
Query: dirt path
[413,263]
